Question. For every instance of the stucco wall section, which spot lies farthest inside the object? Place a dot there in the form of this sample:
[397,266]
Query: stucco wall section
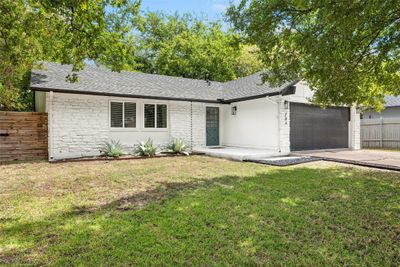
[255,124]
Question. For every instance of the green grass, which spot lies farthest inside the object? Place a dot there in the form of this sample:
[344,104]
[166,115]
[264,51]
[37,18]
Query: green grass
[197,211]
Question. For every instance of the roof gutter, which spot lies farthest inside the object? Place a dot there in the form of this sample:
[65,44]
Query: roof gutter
[42,89]
[250,97]
[288,90]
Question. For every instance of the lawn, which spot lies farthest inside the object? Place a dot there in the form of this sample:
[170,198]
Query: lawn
[197,211]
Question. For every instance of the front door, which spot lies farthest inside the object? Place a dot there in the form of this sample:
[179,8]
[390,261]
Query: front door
[212,126]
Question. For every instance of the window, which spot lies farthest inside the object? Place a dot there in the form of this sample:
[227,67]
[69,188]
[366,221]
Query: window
[149,115]
[155,116]
[123,114]
[161,116]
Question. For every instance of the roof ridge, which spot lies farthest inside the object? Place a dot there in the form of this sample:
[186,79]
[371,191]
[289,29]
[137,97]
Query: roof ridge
[102,67]
[95,79]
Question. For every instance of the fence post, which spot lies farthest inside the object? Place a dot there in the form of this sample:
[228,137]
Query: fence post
[381,135]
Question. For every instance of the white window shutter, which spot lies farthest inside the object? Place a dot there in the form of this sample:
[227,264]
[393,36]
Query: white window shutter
[149,115]
[130,115]
[116,114]
[161,116]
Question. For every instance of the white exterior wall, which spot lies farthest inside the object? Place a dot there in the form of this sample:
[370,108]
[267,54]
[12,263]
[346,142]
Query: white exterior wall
[284,126]
[355,129]
[303,94]
[188,122]
[80,124]
[255,124]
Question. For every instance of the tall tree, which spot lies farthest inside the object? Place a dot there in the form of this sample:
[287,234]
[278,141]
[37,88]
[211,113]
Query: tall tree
[189,47]
[69,32]
[248,61]
[348,51]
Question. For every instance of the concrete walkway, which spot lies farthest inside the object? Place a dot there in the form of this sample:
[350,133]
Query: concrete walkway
[238,153]
[370,158]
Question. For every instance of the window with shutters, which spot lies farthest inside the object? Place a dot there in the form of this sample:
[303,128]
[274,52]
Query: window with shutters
[155,116]
[122,114]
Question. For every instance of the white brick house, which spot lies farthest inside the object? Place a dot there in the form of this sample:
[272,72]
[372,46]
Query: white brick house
[133,107]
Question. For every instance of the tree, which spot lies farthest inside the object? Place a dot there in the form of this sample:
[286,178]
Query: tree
[248,61]
[69,32]
[348,51]
[186,46]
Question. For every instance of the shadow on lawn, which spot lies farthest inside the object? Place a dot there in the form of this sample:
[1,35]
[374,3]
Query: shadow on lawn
[154,227]
[163,192]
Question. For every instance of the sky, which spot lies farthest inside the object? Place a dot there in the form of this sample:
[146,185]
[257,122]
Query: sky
[212,9]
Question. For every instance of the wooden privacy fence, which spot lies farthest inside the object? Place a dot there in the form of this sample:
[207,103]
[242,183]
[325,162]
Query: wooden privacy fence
[23,136]
[380,133]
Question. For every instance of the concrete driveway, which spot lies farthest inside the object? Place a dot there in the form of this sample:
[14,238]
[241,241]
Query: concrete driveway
[370,158]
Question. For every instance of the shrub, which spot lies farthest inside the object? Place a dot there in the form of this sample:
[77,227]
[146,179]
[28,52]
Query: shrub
[178,146]
[112,149]
[147,149]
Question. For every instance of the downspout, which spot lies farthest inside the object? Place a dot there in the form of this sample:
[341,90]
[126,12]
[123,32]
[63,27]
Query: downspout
[191,126]
[279,122]
[50,126]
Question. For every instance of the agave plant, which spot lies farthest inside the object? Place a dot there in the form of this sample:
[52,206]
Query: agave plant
[147,149]
[112,149]
[178,146]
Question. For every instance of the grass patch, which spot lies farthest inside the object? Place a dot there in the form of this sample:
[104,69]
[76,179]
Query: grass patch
[197,211]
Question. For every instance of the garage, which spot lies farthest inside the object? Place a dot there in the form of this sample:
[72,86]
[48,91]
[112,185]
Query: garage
[312,127]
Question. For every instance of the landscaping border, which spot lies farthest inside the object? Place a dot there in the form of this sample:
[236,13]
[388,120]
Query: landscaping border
[90,159]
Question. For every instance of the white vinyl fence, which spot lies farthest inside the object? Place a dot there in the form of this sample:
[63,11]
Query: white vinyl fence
[380,133]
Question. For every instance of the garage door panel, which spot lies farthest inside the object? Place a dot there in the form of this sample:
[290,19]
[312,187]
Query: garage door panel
[314,128]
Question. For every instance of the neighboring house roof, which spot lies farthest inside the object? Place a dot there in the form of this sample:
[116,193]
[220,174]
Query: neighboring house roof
[392,101]
[101,81]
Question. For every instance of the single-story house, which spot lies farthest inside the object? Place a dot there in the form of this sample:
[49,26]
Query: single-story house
[392,109]
[132,107]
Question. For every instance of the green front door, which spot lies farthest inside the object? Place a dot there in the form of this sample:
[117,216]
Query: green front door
[212,126]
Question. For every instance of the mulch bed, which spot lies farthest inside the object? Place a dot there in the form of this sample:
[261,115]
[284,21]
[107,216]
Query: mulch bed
[125,157]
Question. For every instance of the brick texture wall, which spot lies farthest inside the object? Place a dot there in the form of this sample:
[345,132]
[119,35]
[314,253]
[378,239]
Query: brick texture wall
[79,124]
[355,129]
[284,125]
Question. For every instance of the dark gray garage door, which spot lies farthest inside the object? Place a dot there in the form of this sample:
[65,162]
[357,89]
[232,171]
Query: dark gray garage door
[312,127]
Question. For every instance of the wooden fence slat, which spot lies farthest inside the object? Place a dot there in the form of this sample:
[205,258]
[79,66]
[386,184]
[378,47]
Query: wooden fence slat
[23,136]
[380,133]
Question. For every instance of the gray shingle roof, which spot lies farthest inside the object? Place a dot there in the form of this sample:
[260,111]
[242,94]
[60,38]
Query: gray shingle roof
[101,81]
[392,101]
[250,86]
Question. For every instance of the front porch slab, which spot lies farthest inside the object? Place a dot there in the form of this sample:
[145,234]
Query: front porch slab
[238,153]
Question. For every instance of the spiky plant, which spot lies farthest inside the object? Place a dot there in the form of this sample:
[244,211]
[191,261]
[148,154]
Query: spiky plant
[146,149]
[178,146]
[112,149]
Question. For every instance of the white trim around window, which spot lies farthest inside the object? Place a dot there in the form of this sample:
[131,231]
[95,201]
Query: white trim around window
[124,123]
[155,128]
